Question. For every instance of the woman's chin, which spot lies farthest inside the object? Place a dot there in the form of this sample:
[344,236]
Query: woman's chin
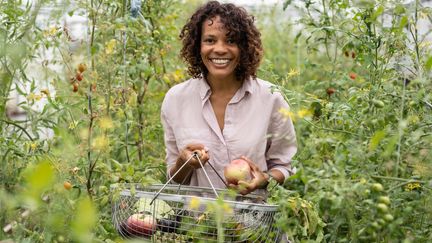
[221,74]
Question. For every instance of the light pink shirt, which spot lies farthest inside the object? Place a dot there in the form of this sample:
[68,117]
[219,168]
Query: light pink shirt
[253,127]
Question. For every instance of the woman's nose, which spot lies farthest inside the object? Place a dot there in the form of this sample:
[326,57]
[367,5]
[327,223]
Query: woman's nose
[220,47]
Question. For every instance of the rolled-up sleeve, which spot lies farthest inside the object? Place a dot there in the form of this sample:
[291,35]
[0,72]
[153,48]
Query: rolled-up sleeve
[281,143]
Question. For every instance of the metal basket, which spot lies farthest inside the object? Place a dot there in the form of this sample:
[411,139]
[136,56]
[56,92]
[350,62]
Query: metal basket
[178,213]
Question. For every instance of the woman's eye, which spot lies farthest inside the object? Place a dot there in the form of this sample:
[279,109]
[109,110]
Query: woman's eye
[230,41]
[208,40]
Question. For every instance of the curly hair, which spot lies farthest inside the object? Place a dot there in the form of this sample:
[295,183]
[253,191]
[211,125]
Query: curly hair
[240,27]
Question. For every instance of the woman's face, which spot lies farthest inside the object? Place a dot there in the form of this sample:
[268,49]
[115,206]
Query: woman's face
[219,53]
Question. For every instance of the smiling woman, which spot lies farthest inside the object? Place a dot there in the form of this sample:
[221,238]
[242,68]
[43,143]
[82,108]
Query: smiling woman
[224,112]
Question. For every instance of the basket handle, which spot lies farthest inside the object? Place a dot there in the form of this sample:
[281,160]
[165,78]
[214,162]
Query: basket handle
[196,155]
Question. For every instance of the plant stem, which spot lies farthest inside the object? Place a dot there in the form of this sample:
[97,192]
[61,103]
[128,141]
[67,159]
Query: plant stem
[20,127]
[397,179]
[329,129]
[125,86]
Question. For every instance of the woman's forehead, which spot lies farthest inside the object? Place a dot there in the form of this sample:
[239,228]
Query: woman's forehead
[214,23]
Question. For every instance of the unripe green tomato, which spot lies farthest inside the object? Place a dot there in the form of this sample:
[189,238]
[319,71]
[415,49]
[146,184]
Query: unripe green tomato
[388,217]
[367,192]
[376,225]
[381,222]
[377,187]
[382,207]
[378,103]
[384,199]
[412,103]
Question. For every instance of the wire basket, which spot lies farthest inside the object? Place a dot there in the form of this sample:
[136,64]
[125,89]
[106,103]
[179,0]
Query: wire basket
[179,213]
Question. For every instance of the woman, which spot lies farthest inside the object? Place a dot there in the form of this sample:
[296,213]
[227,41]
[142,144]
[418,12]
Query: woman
[224,112]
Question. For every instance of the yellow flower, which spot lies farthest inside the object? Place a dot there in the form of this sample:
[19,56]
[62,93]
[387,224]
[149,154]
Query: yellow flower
[53,30]
[304,112]
[424,44]
[45,92]
[194,203]
[227,209]
[178,75]
[72,125]
[287,113]
[106,123]
[109,46]
[31,97]
[412,186]
[423,15]
[33,146]
[293,72]
[100,143]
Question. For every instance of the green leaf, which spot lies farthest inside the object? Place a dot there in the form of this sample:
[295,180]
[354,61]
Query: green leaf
[286,3]
[377,13]
[403,22]
[376,139]
[428,64]
[159,208]
[84,220]
[390,147]
[39,177]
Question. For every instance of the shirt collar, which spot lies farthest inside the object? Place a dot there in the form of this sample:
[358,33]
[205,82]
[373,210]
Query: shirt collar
[204,89]
[247,87]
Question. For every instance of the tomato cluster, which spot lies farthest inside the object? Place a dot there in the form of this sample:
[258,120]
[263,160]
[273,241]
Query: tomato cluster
[79,76]
[382,204]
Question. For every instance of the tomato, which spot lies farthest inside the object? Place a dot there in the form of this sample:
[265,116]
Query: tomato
[377,187]
[67,185]
[79,76]
[330,91]
[75,87]
[82,67]
[382,207]
[376,225]
[378,103]
[388,217]
[384,199]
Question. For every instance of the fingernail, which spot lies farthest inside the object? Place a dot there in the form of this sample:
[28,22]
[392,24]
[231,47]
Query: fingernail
[206,149]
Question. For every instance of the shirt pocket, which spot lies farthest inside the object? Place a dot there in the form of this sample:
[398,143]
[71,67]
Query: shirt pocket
[188,135]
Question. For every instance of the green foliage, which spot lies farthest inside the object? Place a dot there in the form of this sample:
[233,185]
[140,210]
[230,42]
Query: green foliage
[356,75]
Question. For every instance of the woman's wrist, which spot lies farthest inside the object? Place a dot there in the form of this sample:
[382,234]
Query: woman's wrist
[269,179]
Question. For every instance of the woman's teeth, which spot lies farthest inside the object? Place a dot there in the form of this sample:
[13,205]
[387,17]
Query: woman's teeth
[220,61]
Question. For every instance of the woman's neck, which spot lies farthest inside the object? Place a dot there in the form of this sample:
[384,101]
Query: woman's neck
[224,85]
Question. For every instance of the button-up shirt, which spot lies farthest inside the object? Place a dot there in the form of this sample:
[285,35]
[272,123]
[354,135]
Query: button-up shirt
[253,127]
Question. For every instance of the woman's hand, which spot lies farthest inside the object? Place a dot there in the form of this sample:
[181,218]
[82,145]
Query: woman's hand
[188,151]
[259,179]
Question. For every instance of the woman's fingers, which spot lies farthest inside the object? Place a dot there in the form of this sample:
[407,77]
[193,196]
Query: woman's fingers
[250,162]
[194,146]
[244,187]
